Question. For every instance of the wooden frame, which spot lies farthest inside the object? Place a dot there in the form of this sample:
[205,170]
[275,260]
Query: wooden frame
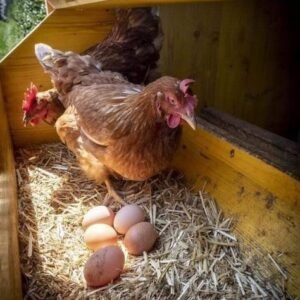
[264,200]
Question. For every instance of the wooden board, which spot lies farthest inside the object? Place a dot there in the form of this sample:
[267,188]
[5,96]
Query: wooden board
[264,200]
[243,55]
[10,281]
[277,151]
[117,3]
[63,29]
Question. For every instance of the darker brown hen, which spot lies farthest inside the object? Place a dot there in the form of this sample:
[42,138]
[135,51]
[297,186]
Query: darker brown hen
[132,48]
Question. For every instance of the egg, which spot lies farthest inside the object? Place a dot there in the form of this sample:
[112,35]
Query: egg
[100,235]
[98,214]
[103,266]
[128,216]
[140,237]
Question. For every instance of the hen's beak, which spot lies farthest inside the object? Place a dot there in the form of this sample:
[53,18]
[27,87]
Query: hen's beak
[190,119]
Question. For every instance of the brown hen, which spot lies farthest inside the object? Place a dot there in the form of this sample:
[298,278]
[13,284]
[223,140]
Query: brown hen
[113,126]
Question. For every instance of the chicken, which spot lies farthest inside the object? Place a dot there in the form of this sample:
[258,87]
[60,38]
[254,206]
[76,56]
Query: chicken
[116,127]
[131,49]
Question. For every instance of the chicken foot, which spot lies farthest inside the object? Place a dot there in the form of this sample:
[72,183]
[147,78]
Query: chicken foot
[112,192]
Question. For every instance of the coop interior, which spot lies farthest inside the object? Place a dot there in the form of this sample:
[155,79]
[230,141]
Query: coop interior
[227,214]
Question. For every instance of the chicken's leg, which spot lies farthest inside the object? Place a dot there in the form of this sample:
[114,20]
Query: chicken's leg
[112,192]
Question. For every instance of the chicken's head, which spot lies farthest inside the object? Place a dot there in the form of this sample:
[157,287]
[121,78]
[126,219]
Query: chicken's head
[176,102]
[40,106]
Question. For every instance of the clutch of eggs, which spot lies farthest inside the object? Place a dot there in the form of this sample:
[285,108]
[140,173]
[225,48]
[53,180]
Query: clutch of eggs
[107,262]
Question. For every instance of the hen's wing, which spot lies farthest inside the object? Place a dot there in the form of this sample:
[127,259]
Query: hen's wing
[88,154]
[104,111]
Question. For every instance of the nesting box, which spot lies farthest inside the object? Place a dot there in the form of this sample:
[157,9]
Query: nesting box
[240,54]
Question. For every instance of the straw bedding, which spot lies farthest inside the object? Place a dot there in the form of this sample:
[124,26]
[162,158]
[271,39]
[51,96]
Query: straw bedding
[196,257]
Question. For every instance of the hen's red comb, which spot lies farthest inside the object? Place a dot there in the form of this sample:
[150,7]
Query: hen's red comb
[29,97]
[184,84]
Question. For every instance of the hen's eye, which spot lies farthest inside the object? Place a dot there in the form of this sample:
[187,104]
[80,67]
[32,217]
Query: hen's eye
[172,101]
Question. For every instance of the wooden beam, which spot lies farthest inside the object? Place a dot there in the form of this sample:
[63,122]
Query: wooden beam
[58,4]
[10,279]
[276,150]
[264,200]
[49,7]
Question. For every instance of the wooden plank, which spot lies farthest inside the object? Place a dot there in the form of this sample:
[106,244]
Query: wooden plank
[10,279]
[256,80]
[190,50]
[117,3]
[241,54]
[278,151]
[264,200]
[68,29]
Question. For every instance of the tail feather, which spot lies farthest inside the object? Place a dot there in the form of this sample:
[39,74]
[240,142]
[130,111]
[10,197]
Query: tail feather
[133,45]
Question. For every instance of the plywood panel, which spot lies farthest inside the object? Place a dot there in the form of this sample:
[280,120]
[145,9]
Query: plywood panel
[191,44]
[254,77]
[65,29]
[264,200]
[243,55]
[10,281]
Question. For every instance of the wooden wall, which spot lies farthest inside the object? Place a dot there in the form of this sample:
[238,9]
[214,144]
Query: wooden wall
[264,201]
[10,277]
[243,55]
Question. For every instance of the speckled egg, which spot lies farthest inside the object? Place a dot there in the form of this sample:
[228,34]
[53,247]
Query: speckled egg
[98,215]
[100,235]
[140,237]
[128,216]
[103,266]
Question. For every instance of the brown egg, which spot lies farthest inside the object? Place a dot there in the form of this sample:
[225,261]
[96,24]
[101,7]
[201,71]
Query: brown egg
[128,216]
[103,266]
[140,237]
[100,235]
[98,215]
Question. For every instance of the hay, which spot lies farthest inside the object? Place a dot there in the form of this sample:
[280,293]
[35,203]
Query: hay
[197,255]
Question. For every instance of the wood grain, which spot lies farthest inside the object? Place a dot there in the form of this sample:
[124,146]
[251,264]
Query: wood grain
[264,200]
[243,55]
[10,280]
